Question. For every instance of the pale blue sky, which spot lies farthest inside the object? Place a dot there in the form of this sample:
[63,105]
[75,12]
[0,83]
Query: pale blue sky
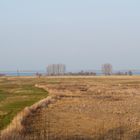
[83,34]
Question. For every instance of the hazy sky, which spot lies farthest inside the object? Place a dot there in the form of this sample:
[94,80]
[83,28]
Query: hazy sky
[83,34]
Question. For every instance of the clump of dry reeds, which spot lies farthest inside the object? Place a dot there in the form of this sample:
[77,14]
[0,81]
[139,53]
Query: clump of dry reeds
[17,126]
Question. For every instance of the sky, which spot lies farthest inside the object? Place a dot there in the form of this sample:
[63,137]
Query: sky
[83,34]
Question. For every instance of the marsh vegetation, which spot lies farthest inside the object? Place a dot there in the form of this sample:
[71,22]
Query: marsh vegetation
[96,108]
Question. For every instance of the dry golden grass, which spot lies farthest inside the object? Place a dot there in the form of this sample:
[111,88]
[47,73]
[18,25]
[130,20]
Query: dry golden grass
[17,126]
[90,108]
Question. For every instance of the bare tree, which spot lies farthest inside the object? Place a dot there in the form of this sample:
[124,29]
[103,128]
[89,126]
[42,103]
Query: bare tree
[107,69]
[56,69]
[130,73]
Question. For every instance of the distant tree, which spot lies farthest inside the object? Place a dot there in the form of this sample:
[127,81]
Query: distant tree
[107,69]
[130,73]
[56,69]
[38,75]
[126,73]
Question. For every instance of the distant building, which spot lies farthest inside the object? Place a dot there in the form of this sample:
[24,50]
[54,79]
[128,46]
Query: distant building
[56,69]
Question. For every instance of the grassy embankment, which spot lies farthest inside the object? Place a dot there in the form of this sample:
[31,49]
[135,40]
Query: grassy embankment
[15,95]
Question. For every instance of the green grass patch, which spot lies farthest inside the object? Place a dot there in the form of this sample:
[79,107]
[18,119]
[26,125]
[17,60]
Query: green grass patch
[3,95]
[15,95]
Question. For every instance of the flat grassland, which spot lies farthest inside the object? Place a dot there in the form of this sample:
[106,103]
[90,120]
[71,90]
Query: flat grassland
[90,108]
[15,95]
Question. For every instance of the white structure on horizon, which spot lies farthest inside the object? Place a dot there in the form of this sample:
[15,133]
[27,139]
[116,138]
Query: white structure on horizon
[56,69]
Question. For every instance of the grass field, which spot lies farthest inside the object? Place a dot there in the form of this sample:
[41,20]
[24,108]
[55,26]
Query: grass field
[16,94]
[89,108]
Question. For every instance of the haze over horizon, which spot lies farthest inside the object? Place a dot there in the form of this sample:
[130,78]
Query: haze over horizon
[83,34]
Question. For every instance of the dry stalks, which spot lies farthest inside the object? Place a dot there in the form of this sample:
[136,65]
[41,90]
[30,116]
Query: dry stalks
[17,126]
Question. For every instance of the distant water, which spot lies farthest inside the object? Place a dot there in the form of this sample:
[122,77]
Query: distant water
[44,73]
[21,73]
